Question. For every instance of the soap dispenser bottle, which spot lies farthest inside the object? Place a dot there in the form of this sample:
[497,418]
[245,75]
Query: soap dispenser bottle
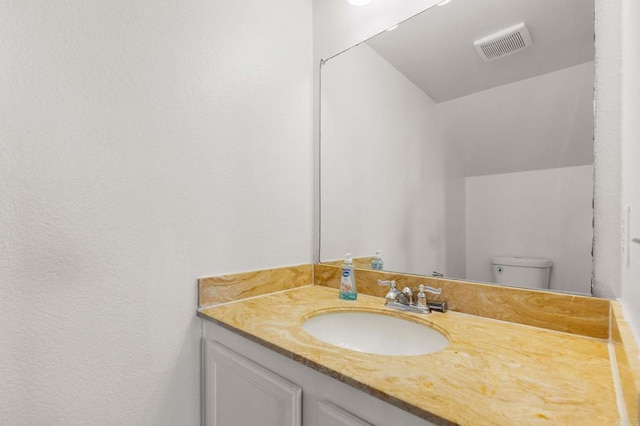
[376,263]
[348,280]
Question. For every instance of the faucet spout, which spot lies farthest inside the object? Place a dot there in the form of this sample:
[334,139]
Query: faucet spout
[408,296]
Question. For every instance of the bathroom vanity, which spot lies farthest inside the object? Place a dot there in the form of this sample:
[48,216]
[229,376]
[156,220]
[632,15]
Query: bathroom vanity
[247,383]
[262,367]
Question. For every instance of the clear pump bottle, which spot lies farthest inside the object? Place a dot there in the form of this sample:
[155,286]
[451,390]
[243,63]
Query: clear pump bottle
[376,263]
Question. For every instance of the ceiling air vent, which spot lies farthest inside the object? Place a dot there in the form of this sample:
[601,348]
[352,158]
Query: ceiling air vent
[503,43]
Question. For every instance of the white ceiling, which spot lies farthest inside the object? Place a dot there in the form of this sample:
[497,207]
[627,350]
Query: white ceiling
[435,48]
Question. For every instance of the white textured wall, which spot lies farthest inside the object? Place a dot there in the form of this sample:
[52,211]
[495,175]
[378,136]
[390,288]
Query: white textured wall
[541,122]
[541,213]
[386,172]
[607,256]
[631,157]
[143,144]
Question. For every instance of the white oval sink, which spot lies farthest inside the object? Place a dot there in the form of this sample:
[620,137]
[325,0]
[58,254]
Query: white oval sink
[375,333]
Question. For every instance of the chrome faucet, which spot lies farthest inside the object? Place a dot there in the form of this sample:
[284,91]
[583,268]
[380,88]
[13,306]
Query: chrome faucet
[404,300]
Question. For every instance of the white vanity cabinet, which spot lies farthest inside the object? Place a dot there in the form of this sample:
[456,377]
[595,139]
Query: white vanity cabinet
[241,392]
[247,384]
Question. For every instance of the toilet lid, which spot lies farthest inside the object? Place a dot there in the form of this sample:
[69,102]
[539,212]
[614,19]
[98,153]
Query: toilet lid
[529,262]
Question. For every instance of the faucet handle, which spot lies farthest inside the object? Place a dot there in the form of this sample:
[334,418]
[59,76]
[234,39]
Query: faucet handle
[393,292]
[423,288]
[390,283]
[431,306]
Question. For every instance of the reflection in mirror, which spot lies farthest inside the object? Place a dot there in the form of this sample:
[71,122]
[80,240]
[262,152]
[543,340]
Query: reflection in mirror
[451,162]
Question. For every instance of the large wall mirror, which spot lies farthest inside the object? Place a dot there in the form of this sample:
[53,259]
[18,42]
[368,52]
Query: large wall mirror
[445,155]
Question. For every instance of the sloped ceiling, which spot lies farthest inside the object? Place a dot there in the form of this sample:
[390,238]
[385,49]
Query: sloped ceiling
[435,48]
[531,110]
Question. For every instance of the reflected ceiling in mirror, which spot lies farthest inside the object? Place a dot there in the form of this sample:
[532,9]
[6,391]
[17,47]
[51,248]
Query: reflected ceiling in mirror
[444,160]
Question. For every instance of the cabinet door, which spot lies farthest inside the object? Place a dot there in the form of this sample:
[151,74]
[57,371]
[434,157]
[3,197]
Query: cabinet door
[239,392]
[330,415]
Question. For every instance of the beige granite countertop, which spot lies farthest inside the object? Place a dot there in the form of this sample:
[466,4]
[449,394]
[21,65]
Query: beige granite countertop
[492,373]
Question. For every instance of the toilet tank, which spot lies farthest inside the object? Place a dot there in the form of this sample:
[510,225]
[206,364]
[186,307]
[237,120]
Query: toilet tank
[526,272]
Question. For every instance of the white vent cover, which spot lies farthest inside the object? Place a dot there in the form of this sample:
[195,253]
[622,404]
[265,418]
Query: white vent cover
[503,43]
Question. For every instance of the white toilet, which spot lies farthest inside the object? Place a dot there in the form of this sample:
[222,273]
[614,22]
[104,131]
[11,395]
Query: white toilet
[526,272]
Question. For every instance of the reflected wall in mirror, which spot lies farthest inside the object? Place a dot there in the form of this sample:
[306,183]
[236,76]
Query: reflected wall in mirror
[445,161]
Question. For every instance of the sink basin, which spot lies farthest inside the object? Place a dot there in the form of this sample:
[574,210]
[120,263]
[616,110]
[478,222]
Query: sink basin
[375,333]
